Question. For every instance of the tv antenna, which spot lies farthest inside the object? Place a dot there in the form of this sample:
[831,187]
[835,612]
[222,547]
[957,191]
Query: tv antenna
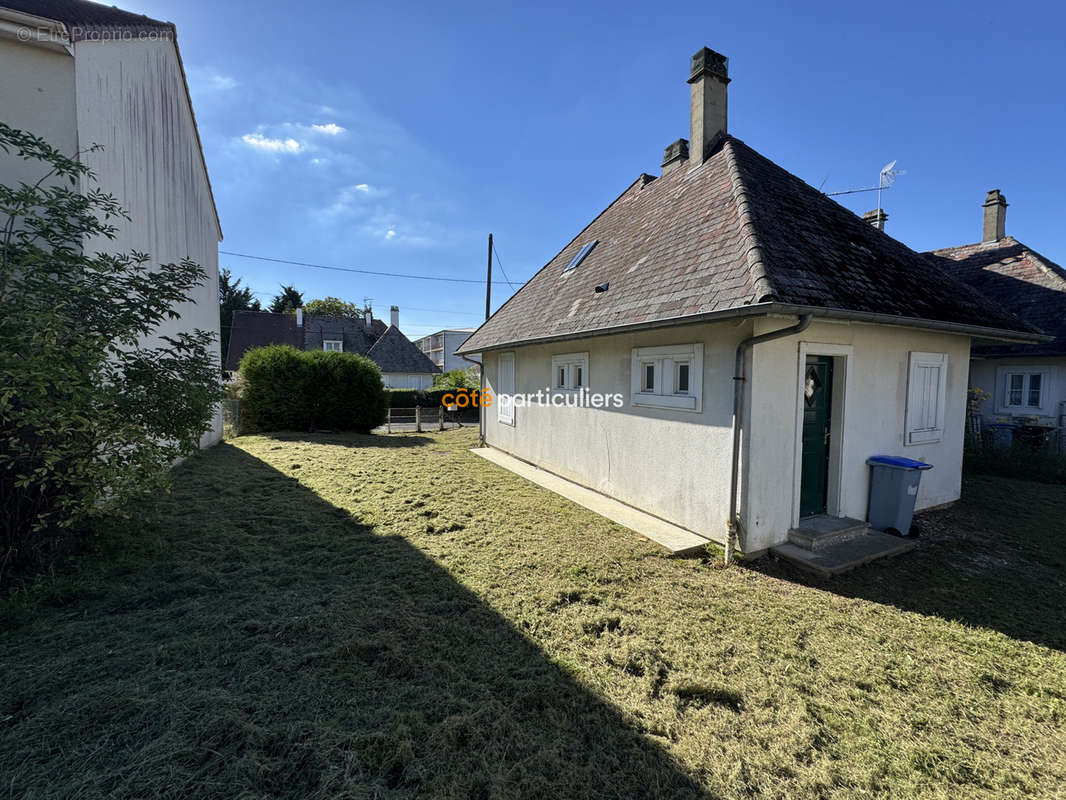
[885,179]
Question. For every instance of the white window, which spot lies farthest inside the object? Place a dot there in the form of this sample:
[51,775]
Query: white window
[926,393]
[1023,390]
[668,377]
[333,346]
[505,389]
[570,372]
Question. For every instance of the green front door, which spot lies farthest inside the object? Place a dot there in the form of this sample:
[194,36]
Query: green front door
[817,406]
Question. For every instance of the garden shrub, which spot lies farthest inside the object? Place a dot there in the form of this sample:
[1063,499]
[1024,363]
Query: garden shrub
[289,389]
[90,416]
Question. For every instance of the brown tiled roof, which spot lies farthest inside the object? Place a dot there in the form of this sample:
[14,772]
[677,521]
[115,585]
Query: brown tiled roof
[1020,279]
[735,232]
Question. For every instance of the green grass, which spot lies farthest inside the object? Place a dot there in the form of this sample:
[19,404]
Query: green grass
[358,617]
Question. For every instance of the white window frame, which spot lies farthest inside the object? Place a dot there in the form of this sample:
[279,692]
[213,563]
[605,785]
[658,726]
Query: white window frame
[916,433]
[1003,404]
[568,364]
[338,349]
[505,410]
[663,393]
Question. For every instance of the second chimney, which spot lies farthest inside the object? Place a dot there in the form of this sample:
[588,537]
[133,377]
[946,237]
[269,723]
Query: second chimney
[394,316]
[368,318]
[708,77]
[995,223]
[876,218]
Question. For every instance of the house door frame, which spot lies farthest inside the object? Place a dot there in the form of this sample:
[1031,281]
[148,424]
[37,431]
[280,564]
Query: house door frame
[842,356]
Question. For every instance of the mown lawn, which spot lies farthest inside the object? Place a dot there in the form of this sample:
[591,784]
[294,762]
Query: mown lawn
[358,617]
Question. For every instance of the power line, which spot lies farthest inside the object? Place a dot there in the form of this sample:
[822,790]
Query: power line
[357,270]
[499,261]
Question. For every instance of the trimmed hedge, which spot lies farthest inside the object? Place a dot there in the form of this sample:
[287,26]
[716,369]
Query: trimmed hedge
[409,398]
[290,389]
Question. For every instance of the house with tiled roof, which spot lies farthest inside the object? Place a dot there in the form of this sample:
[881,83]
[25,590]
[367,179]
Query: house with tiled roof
[403,365]
[1023,381]
[78,74]
[723,347]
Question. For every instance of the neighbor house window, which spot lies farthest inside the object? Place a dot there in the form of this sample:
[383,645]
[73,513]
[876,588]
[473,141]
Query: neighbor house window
[1023,390]
[668,377]
[926,394]
[570,372]
[333,346]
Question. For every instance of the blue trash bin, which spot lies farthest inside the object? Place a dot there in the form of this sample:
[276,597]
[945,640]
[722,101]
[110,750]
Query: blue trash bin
[893,490]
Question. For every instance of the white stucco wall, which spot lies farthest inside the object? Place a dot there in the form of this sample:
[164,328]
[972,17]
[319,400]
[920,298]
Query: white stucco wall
[407,380]
[130,98]
[671,463]
[990,374]
[37,96]
[873,412]
[675,464]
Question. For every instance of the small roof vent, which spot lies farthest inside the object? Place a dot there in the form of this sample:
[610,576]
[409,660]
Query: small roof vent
[582,254]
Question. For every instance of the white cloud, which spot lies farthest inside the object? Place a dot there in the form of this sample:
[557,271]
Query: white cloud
[330,129]
[261,142]
[390,234]
[221,83]
[362,187]
[350,199]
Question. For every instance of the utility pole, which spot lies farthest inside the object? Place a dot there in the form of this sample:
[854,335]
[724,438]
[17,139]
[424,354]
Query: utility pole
[488,284]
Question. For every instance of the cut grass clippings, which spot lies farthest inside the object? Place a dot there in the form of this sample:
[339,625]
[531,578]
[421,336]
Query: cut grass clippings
[372,616]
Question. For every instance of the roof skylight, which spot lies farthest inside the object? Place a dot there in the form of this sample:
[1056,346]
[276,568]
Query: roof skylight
[581,254]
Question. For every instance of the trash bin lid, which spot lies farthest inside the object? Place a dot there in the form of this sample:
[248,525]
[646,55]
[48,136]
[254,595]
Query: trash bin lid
[898,461]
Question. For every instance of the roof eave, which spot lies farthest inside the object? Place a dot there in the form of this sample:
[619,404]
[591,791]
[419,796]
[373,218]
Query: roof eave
[765,309]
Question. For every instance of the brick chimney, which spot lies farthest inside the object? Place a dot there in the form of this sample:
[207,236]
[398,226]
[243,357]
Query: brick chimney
[368,318]
[299,317]
[876,218]
[394,316]
[708,77]
[995,223]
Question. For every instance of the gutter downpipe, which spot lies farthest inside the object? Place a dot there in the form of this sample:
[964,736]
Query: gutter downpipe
[481,393]
[738,420]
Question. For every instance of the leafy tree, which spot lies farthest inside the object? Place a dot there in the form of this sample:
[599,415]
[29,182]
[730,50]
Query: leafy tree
[90,414]
[333,306]
[231,297]
[457,379]
[287,300]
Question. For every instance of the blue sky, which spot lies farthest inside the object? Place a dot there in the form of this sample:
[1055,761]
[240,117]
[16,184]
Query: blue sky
[395,137]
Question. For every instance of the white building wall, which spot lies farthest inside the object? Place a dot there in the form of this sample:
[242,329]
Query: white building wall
[36,96]
[676,464]
[874,418]
[452,341]
[671,463]
[131,98]
[407,380]
[990,375]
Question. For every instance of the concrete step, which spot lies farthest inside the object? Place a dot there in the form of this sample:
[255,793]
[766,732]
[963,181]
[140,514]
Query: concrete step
[844,555]
[815,533]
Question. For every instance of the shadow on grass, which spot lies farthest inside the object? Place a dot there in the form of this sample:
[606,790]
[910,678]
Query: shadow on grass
[996,559]
[274,646]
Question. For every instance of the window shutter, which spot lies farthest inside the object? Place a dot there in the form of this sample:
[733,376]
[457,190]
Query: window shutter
[505,389]
[926,388]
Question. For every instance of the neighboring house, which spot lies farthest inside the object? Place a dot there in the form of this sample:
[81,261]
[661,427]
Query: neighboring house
[402,364]
[658,298]
[78,73]
[441,347]
[1022,380]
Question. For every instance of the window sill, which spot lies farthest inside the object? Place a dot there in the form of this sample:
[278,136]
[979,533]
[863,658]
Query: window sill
[923,437]
[681,402]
